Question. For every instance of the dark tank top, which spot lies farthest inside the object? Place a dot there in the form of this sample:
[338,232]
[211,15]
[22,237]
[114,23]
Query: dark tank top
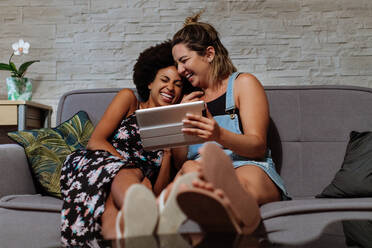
[217,107]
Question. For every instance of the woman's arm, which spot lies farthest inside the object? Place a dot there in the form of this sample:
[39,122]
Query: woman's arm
[123,104]
[253,107]
[251,100]
[164,174]
[179,154]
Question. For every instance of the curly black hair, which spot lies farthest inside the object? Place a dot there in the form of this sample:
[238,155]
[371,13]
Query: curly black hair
[149,62]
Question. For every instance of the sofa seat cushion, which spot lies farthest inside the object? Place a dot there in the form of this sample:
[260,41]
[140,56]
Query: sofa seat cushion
[308,205]
[31,202]
[33,228]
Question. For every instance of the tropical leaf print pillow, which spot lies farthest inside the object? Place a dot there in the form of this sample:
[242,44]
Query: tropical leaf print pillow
[47,148]
[76,131]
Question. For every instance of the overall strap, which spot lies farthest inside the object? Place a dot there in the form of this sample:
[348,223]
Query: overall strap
[230,101]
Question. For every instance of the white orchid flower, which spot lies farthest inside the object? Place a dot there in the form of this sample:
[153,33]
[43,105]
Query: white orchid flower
[18,48]
[21,47]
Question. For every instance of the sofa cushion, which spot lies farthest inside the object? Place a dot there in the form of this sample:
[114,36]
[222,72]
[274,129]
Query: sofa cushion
[310,127]
[312,205]
[35,202]
[31,228]
[76,131]
[92,101]
[15,168]
[354,179]
[47,148]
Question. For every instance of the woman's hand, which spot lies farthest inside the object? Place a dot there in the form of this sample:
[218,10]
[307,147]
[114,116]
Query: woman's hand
[192,97]
[206,128]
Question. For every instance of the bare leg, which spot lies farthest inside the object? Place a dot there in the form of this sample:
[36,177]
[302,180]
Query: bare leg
[255,181]
[108,219]
[122,181]
[219,189]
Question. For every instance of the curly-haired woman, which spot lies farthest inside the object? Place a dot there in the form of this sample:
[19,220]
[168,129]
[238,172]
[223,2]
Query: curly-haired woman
[94,181]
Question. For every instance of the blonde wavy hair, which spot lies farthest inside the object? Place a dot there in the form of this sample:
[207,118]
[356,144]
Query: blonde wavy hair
[197,36]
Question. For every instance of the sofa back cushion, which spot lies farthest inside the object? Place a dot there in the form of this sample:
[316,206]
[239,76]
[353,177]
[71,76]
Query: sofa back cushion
[92,101]
[309,128]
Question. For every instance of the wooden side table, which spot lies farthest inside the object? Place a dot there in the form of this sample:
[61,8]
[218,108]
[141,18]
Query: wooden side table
[21,115]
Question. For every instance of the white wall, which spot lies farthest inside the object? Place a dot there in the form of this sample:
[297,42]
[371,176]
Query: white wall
[94,43]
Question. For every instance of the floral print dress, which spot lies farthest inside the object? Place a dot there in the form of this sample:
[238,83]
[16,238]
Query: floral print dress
[86,179]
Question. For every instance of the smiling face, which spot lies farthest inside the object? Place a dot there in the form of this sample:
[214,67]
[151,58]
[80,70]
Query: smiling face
[166,88]
[192,66]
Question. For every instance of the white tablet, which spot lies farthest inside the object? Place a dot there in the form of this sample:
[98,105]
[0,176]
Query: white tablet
[160,127]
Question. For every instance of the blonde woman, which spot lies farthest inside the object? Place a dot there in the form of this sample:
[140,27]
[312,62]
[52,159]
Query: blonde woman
[237,173]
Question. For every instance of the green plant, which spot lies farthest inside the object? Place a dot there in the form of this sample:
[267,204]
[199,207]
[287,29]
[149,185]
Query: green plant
[19,48]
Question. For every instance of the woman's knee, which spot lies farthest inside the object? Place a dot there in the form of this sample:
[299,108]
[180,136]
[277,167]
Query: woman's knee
[250,188]
[259,185]
[263,194]
[133,175]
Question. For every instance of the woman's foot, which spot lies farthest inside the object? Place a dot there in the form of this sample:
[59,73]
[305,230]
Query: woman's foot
[139,213]
[218,203]
[171,216]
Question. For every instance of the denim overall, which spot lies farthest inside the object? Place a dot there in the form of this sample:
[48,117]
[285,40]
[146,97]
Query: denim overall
[230,121]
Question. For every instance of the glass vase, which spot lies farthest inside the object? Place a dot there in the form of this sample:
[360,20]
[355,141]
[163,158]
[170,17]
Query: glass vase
[19,88]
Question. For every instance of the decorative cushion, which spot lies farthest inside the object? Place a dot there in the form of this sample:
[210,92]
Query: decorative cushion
[354,179]
[47,148]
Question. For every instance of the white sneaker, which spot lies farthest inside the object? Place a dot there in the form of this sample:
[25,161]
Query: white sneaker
[171,216]
[140,213]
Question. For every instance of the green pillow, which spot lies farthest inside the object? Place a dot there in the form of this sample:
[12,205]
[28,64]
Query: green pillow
[47,148]
[76,131]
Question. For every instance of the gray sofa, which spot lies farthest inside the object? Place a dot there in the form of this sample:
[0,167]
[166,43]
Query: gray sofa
[309,131]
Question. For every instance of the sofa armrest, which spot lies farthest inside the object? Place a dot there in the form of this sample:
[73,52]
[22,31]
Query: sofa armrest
[15,174]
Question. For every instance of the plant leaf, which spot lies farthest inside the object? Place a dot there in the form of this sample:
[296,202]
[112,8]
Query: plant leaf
[5,67]
[12,65]
[24,66]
